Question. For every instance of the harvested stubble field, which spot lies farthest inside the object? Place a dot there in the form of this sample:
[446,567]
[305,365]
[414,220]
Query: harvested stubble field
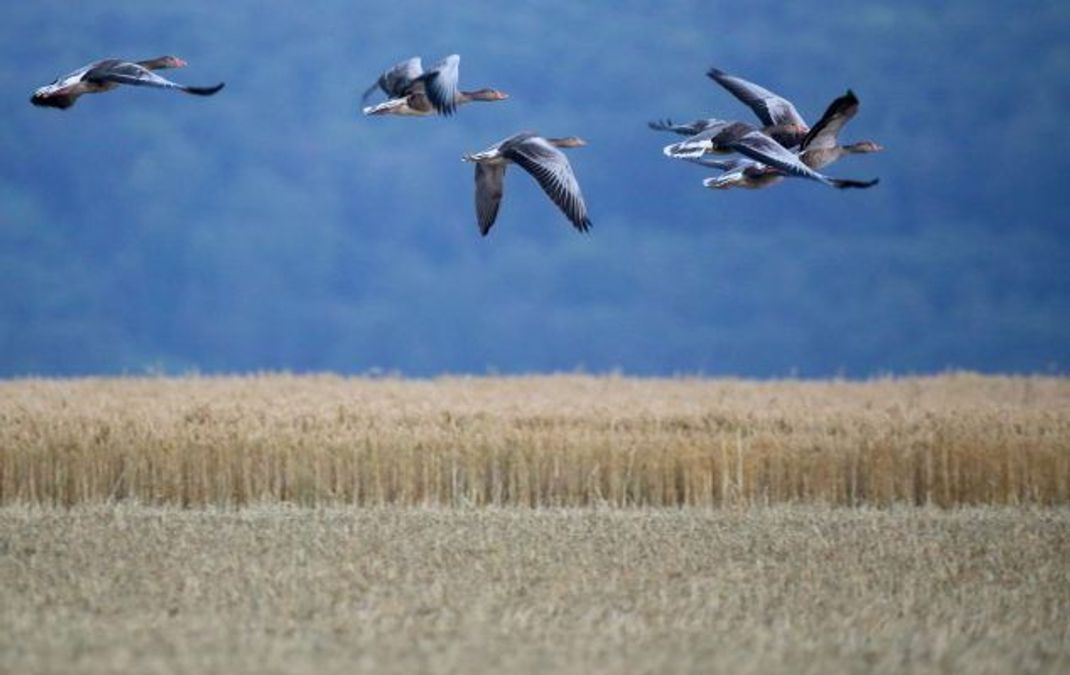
[362,525]
[782,589]
[535,441]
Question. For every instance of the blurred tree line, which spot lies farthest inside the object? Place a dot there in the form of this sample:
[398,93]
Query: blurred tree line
[274,227]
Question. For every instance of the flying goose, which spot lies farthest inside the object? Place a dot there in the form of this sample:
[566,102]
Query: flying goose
[751,175]
[543,160]
[755,145]
[821,146]
[412,91]
[105,75]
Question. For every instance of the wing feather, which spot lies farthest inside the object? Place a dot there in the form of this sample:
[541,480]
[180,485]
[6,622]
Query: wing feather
[489,187]
[396,81]
[551,169]
[685,129]
[139,76]
[441,84]
[771,109]
[761,148]
[727,165]
[824,134]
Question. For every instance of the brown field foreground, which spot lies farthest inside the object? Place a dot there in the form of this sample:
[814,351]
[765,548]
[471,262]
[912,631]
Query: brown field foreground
[784,589]
[552,441]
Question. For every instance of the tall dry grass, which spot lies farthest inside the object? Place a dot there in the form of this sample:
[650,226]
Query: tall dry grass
[535,441]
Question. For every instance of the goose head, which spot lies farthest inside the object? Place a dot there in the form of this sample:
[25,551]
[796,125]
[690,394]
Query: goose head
[486,95]
[161,62]
[567,142]
[51,96]
[863,147]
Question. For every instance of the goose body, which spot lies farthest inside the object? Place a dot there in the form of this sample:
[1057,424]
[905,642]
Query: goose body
[821,146]
[540,157]
[107,74]
[412,91]
[740,173]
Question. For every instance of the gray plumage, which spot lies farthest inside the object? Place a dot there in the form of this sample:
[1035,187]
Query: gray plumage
[821,146]
[107,74]
[772,109]
[441,84]
[124,72]
[824,134]
[424,92]
[685,129]
[396,81]
[541,158]
[767,155]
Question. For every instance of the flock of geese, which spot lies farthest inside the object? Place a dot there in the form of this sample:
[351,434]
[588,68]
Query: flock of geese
[784,146]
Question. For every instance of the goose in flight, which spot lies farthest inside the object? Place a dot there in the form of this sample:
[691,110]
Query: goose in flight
[751,175]
[779,118]
[821,146]
[755,145]
[541,158]
[412,91]
[105,75]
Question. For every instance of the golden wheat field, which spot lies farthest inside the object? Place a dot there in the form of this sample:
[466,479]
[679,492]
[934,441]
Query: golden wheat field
[535,441]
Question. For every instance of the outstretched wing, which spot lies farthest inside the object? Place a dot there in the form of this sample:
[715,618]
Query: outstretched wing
[761,148]
[441,84]
[824,135]
[396,81]
[697,145]
[139,76]
[733,164]
[770,108]
[687,129]
[551,169]
[489,188]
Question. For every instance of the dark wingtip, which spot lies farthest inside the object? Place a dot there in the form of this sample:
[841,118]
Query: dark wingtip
[844,183]
[714,73]
[446,109]
[205,91]
[584,225]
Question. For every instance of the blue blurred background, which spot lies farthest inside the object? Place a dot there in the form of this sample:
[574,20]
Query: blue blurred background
[274,227]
